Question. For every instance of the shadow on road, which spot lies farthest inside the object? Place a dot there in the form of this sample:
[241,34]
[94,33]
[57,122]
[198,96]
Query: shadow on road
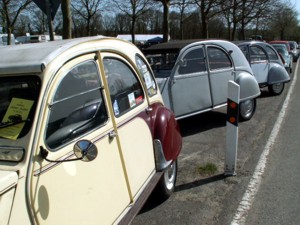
[198,183]
[265,93]
[155,201]
[202,122]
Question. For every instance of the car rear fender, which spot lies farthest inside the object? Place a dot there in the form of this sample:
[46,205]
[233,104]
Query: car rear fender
[277,74]
[249,88]
[167,137]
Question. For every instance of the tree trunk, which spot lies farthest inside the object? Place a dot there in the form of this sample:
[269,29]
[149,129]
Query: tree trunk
[243,31]
[67,19]
[8,23]
[166,5]
[204,25]
[132,30]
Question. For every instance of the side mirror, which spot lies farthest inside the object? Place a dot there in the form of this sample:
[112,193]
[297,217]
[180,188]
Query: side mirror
[85,150]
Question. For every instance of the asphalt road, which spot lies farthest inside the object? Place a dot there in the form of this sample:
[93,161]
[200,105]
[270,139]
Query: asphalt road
[209,199]
[278,198]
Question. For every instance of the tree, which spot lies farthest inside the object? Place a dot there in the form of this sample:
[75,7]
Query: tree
[250,10]
[11,9]
[67,19]
[88,10]
[229,10]
[284,21]
[208,10]
[133,9]
[182,6]
[166,30]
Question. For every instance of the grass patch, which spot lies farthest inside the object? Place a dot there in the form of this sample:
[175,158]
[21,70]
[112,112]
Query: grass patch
[207,169]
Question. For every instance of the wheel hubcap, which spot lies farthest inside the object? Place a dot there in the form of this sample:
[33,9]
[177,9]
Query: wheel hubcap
[247,108]
[277,87]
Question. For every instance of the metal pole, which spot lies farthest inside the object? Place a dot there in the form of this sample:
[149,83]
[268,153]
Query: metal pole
[232,128]
[49,18]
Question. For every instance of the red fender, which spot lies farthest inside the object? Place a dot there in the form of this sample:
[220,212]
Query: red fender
[166,129]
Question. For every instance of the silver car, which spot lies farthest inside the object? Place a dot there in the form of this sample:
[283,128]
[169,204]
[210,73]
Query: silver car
[267,65]
[193,76]
[287,58]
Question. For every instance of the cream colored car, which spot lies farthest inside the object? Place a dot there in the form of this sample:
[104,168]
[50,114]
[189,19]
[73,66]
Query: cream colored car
[84,134]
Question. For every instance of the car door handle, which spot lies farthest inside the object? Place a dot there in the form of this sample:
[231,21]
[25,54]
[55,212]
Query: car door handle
[112,134]
[149,109]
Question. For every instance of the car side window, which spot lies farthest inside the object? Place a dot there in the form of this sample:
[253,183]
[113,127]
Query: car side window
[218,59]
[271,53]
[257,54]
[147,75]
[125,89]
[194,62]
[244,49]
[77,106]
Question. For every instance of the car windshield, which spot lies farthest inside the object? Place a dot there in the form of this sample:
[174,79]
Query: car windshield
[17,105]
[281,49]
[162,64]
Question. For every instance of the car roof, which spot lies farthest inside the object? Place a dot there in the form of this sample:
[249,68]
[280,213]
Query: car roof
[279,45]
[34,58]
[260,43]
[279,41]
[176,46]
[171,46]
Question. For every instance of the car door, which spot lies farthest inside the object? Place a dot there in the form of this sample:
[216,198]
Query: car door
[189,85]
[130,106]
[221,70]
[78,192]
[259,63]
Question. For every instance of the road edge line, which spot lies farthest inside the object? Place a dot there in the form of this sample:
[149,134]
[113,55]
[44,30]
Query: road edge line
[253,186]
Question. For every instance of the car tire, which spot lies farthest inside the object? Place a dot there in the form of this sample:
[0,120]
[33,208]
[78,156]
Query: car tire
[247,109]
[166,184]
[276,89]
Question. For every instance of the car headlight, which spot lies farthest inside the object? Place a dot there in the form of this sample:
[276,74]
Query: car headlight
[11,154]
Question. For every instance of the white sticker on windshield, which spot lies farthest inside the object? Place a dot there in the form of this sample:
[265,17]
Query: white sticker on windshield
[116,108]
[131,99]
[148,79]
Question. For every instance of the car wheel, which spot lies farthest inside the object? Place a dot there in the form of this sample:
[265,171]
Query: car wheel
[166,185]
[247,109]
[276,89]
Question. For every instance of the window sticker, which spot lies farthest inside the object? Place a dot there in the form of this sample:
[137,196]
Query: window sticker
[16,115]
[144,69]
[148,79]
[139,99]
[131,99]
[116,108]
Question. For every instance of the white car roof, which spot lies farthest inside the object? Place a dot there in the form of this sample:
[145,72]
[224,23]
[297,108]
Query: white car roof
[34,58]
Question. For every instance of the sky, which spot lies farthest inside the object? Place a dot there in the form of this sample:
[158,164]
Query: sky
[296,3]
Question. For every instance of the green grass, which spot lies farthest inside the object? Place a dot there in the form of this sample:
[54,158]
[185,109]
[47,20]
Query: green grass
[207,169]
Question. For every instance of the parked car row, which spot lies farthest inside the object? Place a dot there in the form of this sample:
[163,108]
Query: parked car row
[291,47]
[193,74]
[92,122]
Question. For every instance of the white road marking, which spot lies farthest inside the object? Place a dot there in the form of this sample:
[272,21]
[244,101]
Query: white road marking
[247,200]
